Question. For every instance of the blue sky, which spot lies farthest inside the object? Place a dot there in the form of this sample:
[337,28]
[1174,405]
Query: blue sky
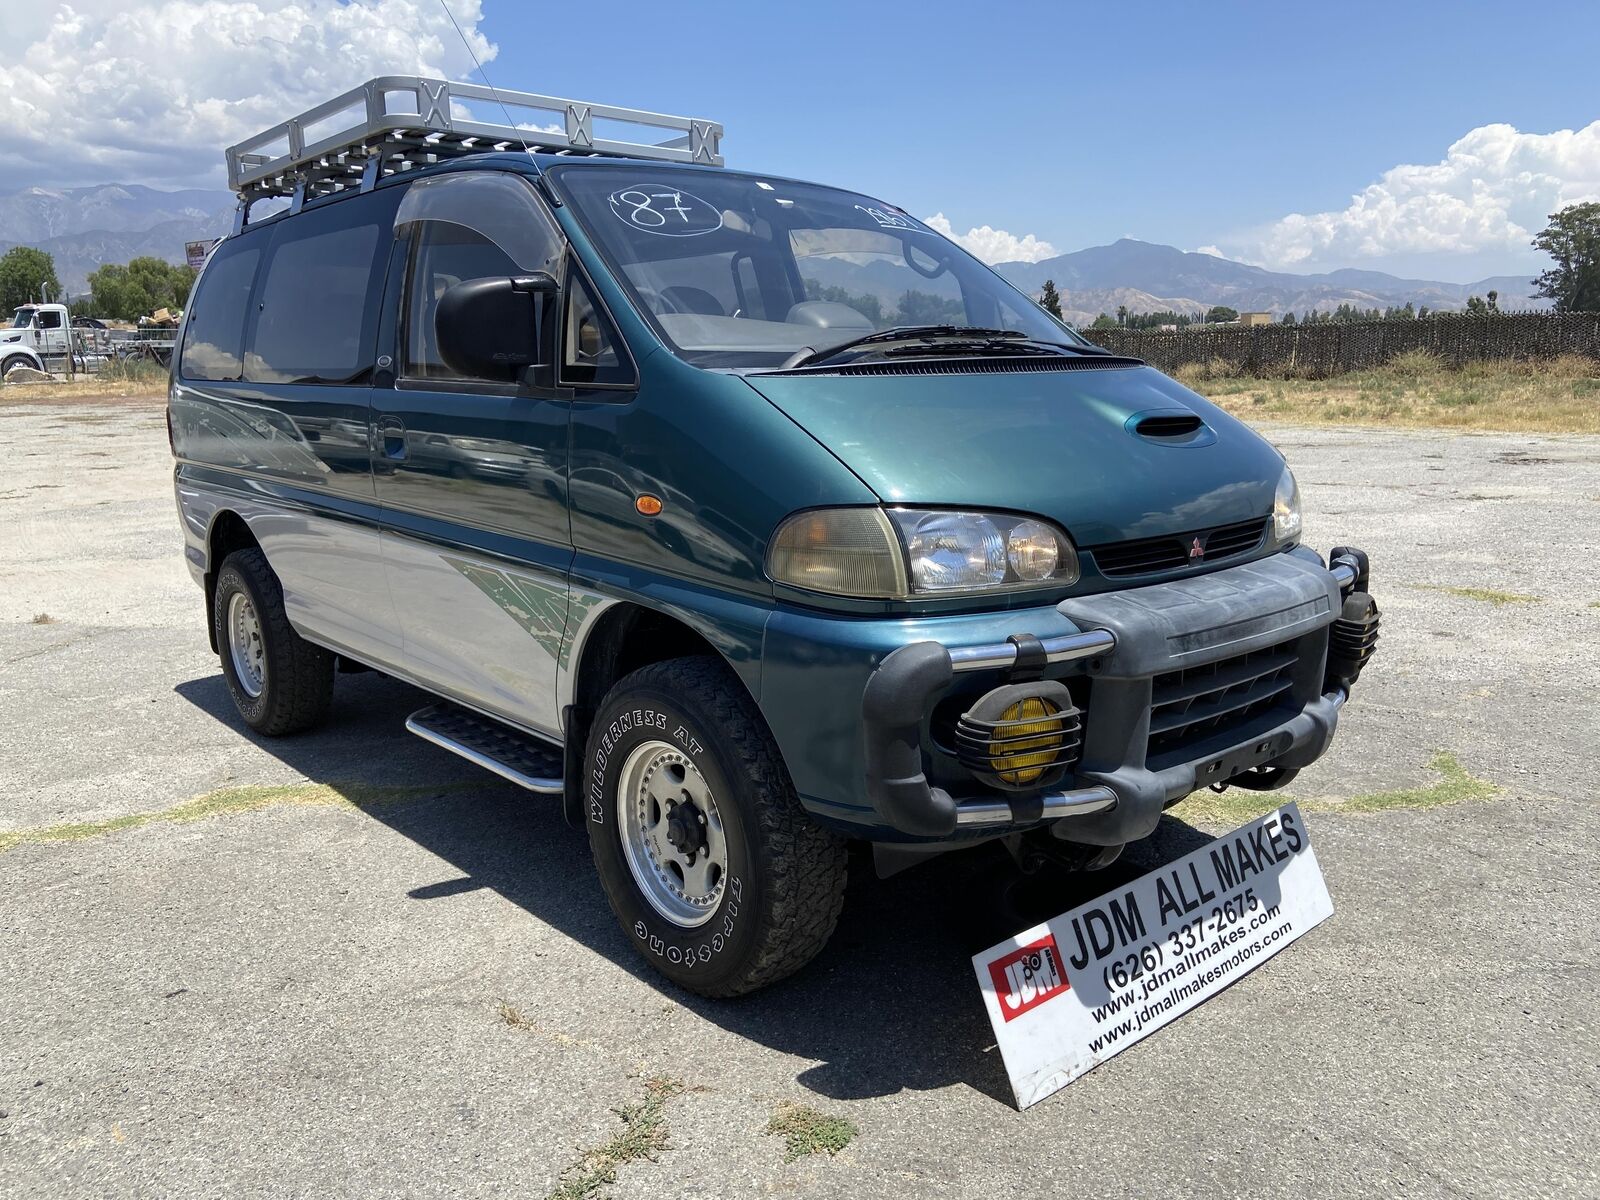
[1428,139]
[1177,123]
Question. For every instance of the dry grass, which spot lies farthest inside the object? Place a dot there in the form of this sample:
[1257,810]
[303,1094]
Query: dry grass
[1416,390]
[92,389]
[807,1131]
[1454,785]
[643,1136]
[1487,595]
[227,802]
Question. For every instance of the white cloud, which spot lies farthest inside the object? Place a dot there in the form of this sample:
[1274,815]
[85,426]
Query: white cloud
[993,245]
[152,91]
[1213,251]
[1489,194]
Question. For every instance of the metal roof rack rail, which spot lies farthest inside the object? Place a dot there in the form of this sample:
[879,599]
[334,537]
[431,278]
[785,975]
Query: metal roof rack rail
[400,122]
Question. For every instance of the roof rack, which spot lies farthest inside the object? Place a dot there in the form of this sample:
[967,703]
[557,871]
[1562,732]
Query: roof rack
[401,122]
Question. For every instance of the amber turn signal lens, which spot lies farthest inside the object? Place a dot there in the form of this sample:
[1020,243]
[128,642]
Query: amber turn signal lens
[1029,746]
[648,505]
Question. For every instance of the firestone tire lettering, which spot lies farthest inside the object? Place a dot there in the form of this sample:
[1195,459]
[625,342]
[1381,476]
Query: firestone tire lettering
[785,874]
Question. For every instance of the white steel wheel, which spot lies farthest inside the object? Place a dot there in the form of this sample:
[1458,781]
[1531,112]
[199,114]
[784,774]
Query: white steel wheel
[672,835]
[245,645]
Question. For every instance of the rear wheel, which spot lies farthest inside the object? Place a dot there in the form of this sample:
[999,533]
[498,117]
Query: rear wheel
[719,878]
[279,682]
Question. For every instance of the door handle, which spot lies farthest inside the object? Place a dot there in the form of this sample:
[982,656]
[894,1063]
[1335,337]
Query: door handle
[392,438]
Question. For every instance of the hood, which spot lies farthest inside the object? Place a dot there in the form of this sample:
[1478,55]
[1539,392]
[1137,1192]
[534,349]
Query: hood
[1054,443]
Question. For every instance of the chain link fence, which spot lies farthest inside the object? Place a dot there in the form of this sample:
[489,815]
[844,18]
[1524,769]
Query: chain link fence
[1332,348]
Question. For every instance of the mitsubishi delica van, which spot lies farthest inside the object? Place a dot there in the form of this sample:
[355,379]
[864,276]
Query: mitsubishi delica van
[741,516]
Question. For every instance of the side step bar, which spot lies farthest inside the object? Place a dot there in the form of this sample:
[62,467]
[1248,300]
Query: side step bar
[525,760]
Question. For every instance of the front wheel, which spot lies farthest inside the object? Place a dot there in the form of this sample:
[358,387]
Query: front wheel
[715,872]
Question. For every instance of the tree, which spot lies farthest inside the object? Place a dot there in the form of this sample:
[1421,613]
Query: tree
[1477,306]
[1221,312]
[1050,299]
[867,305]
[140,287]
[1104,322]
[1288,318]
[925,308]
[1122,314]
[25,273]
[1494,300]
[1572,239]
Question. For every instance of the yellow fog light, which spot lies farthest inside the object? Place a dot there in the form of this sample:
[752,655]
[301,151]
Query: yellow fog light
[1029,734]
[1021,736]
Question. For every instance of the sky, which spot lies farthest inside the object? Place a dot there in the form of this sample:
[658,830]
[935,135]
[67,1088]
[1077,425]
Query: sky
[1425,139]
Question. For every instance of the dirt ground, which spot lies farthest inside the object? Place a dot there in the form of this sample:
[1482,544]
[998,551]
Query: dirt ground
[348,963]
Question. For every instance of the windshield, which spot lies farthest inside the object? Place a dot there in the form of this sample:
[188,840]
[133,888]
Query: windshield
[739,271]
[22,318]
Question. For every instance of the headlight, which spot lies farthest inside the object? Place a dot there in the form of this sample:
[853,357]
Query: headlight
[952,551]
[1286,508]
[971,552]
[854,552]
[841,551]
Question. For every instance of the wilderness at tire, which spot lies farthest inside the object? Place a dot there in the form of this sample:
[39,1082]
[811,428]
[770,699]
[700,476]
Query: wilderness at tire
[590,441]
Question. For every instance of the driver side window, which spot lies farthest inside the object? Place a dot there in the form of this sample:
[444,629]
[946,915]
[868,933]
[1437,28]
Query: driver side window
[464,226]
[442,256]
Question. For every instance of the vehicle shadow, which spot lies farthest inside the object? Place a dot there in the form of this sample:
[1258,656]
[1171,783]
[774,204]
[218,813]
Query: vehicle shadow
[891,1004]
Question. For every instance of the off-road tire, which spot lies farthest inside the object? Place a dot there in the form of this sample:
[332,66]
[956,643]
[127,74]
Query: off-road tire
[299,678]
[786,874]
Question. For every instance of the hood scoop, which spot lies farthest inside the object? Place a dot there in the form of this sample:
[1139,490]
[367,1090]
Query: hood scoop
[1170,427]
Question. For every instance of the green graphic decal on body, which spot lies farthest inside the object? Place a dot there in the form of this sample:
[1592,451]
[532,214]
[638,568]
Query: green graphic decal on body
[540,608]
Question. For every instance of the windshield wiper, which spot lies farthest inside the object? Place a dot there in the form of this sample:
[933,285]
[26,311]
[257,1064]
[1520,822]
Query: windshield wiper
[809,357]
[1001,346]
[940,339]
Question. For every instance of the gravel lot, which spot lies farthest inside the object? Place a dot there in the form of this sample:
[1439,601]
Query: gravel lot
[303,994]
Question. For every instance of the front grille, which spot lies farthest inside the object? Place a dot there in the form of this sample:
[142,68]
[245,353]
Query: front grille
[1196,703]
[1149,556]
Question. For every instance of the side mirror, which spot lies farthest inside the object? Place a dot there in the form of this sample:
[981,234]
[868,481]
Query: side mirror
[492,328]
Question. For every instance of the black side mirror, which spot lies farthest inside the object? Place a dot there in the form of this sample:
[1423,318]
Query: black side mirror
[491,328]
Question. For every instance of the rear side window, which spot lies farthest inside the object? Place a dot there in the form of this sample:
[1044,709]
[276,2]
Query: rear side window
[213,345]
[317,305]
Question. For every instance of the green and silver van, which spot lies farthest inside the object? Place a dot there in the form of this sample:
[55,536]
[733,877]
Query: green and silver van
[742,516]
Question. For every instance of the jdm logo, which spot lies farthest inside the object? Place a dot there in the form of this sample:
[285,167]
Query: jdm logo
[1026,978]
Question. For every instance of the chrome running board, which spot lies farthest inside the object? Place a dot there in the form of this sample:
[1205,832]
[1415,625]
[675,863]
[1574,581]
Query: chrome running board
[525,760]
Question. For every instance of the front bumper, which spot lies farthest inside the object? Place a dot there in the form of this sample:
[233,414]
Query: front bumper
[1133,649]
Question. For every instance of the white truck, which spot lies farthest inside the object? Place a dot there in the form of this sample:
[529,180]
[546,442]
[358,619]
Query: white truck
[39,336]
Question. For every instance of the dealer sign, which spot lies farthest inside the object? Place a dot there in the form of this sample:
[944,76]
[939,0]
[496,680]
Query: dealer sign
[1067,995]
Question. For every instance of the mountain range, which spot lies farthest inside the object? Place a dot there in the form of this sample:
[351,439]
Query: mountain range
[85,227]
[81,228]
[1147,277]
